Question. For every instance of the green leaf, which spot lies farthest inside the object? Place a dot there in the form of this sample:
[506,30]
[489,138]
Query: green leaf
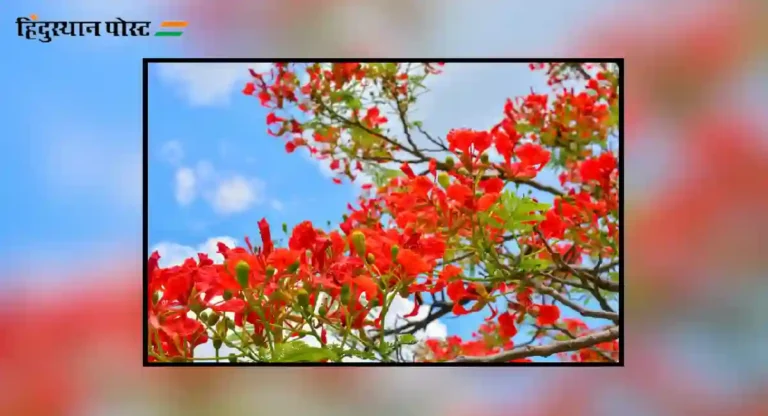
[299,351]
[532,263]
[407,339]
[384,175]
[353,103]
[362,138]
[613,118]
[523,128]
[491,268]
[366,355]
[386,349]
[390,68]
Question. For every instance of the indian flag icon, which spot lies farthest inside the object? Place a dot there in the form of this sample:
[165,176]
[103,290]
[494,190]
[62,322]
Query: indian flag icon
[172,28]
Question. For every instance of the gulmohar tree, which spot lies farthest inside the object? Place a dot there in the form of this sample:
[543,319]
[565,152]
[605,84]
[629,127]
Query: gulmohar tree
[446,222]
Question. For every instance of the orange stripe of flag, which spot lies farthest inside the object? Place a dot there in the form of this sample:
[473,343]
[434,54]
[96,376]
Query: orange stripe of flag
[174,23]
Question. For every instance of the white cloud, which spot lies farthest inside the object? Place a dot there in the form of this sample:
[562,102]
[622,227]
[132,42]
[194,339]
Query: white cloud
[394,319]
[226,192]
[172,152]
[185,186]
[207,84]
[237,194]
[174,254]
[401,307]
[276,205]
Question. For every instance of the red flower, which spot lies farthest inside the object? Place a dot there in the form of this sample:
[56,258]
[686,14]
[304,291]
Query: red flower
[464,139]
[373,117]
[599,169]
[266,237]
[407,170]
[532,155]
[303,236]
[458,292]
[548,314]
[412,263]
[492,185]
[273,119]
[507,328]
[450,272]
[487,201]
[552,226]
[459,193]
[264,97]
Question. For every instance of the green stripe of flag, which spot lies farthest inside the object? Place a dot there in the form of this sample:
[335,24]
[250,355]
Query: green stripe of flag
[168,33]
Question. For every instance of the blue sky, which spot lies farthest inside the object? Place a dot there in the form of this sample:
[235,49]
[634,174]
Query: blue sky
[230,139]
[72,111]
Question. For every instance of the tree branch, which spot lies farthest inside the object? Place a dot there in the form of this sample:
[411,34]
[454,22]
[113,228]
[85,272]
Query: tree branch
[582,311]
[585,341]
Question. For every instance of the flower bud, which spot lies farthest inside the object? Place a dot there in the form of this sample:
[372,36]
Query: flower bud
[242,270]
[450,162]
[322,311]
[484,158]
[213,319]
[270,271]
[257,338]
[371,258]
[217,343]
[404,292]
[463,171]
[302,297]
[358,242]
[346,295]
[444,180]
[227,295]
[232,358]
[481,290]
[293,267]
[277,296]
[196,307]
[156,298]
[221,328]
[395,250]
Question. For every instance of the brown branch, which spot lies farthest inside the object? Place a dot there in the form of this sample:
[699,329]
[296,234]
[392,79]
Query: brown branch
[582,276]
[585,341]
[612,316]
[598,351]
